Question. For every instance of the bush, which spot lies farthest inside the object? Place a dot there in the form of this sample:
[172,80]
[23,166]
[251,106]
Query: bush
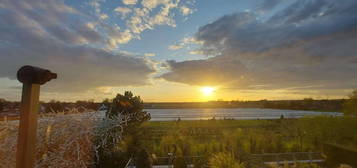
[2,104]
[123,118]
[128,107]
[144,159]
[225,160]
[350,105]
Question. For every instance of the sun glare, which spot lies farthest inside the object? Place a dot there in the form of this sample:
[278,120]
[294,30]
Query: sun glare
[207,90]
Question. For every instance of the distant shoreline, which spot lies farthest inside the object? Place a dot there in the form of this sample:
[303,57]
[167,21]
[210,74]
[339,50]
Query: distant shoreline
[325,105]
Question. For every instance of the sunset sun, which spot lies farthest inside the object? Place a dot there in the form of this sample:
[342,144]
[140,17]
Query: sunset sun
[207,90]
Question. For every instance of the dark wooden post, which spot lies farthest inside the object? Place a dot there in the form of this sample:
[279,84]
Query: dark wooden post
[32,78]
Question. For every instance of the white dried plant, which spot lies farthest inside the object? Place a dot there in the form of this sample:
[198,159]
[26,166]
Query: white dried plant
[62,140]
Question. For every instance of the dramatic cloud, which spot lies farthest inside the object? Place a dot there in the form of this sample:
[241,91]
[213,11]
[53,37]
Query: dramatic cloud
[310,42]
[55,36]
[206,72]
[81,43]
[152,13]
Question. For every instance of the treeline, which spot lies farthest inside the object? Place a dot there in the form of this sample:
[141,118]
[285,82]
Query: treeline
[210,104]
[8,105]
[305,104]
[51,106]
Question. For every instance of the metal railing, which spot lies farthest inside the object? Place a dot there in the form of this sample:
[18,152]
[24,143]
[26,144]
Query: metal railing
[290,158]
[167,161]
[129,164]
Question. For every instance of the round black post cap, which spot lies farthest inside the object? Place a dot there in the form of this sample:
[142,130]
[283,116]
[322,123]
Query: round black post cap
[34,75]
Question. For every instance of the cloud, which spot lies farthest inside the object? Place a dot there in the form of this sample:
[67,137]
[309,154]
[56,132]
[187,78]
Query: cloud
[137,18]
[117,38]
[152,13]
[96,4]
[129,2]
[103,16]
[175,47]
[268,5]
[310,42]
[212,71]
[185,10]
[150,4]
[197,52]
[149,54]
[123,11]
[185,42]
[64,40]
[164,16]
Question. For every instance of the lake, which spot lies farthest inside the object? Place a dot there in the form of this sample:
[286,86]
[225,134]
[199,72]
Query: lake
[228,113]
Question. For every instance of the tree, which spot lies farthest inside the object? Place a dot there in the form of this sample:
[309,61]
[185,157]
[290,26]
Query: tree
[129,107]
[350,105]
[2,104]
[122,122]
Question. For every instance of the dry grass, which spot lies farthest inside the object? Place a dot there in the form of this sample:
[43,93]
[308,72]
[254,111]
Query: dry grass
[62,140]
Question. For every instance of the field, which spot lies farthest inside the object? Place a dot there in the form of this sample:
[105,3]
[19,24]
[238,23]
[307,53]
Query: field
[243,138]
[68,140]
[308,131]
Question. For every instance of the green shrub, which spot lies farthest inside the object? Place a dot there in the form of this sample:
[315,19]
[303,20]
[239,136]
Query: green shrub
[226,160]
[350,105]
[117,134]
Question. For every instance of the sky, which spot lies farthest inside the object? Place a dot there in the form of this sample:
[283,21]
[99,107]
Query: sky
[181,50]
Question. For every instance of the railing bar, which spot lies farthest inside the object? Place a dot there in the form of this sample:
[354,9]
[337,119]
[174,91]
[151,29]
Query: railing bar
[128,163]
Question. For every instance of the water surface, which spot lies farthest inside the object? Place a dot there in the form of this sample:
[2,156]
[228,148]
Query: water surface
[234,113]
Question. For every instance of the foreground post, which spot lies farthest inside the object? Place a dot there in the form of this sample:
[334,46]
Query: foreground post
[32,78]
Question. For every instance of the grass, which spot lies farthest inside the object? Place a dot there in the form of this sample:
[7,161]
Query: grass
[67,140]
[246,137]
